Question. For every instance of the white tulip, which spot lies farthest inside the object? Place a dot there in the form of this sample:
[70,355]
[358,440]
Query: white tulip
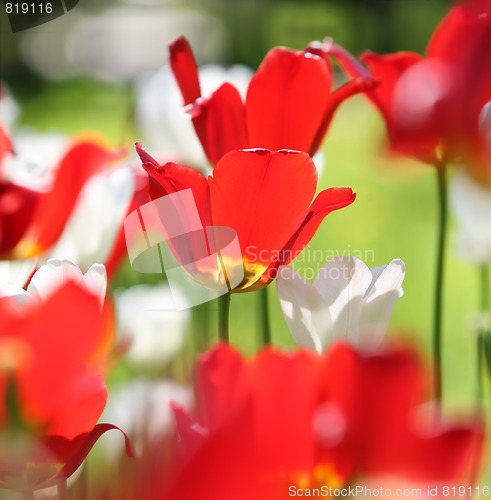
[471,205]
[53,275]
[347,301]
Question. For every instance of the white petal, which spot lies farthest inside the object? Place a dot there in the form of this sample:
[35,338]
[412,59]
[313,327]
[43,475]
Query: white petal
[53,275]
[95,279]
[146,316]
[57,272]
[471,205]
[305,311]
[379,302]
[16,272]
[97,217]
[18,293]
[343,283]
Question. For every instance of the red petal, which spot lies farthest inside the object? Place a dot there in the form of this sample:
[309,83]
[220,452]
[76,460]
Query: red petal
[217,384]
[73,453]
[185,70]
[59,378]
[171,178]
[79,164]
[17,207]
[263,195]
[378,397]
[190,433]
[387,69]
[224,467]
[224,116]
[119,251]
[326,202]
[286,390]
[462,42]
[287,100]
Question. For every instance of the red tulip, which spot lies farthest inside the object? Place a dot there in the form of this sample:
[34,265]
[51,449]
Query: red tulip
[266,197]
[51,388]
[289,103]
[437,108]
[298,421]
[31,221]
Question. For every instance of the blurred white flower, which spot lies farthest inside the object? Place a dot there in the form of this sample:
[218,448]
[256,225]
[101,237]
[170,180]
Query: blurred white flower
[94,224]
[16,272]
[142,409]
[166,130]
[53,275]
[122,41]
[146,317]
[471,205]
[347,301]
[9,109]
[36,157]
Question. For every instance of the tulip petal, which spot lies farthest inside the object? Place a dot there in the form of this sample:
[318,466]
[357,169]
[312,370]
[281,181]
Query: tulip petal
[91,230]
[171,178]
[304,309]
[325,202]
[185,69]
[342,283]
[81,162]
[387,69]
[217,381]
[17,208]
[287,100]
[57,272]
[471,205]
[66,347]
[52,276]
[224,115]
[251,191]
[73,453]
[379,302]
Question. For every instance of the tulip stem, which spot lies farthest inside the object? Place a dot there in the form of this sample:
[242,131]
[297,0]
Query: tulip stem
[440,264]
[62,491]
[223,317]
[263,308]
[483,330]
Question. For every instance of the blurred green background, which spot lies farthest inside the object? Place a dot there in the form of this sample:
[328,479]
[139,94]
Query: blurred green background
[395,212]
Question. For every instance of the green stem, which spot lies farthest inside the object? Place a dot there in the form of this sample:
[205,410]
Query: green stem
[223,317]
[485,291]
[62,491]
[440,264]
[263,308]
[483,331]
